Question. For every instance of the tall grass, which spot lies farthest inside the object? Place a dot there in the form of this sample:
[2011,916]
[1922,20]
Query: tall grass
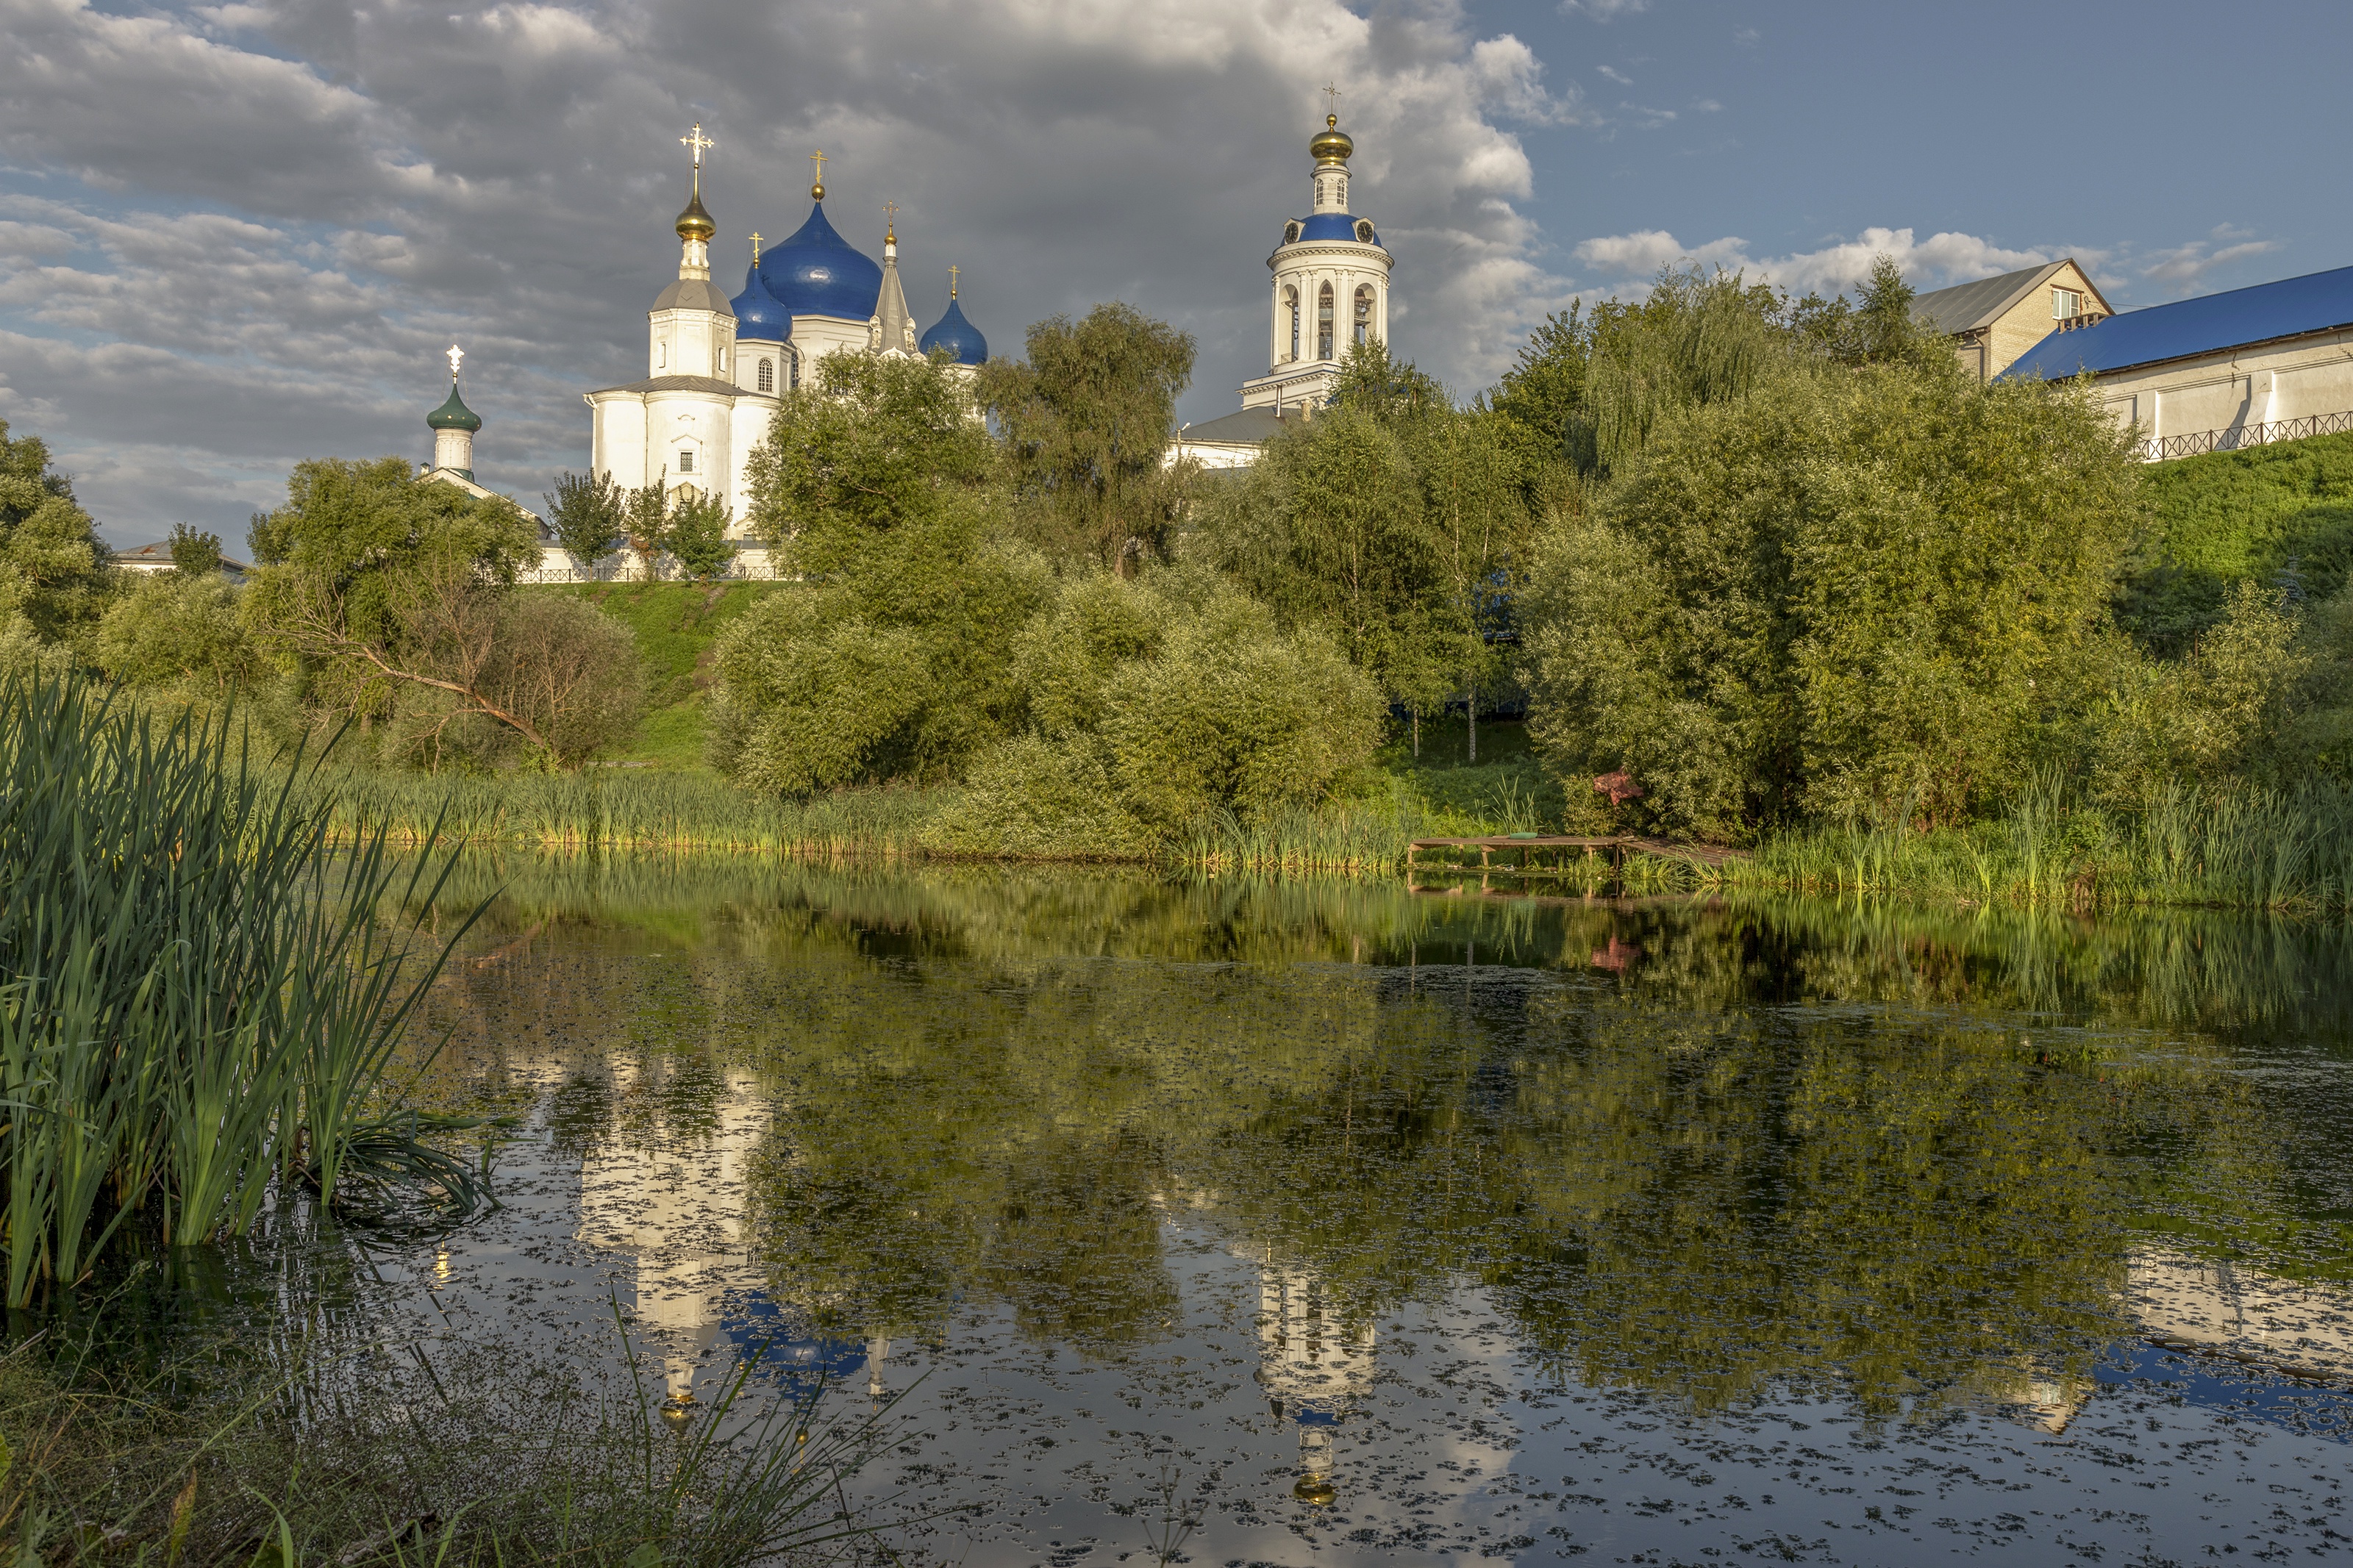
[197,1000]
[2235,848]
[455,1453]
[613,808]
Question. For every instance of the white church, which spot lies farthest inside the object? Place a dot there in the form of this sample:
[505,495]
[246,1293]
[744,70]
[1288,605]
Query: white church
[716,368]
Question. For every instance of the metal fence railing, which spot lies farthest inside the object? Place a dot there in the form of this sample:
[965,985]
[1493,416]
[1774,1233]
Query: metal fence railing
[626,568]
[2161,448]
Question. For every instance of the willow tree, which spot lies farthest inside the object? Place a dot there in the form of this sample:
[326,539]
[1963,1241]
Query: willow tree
[891,655]
[1086,424]
[1879,592]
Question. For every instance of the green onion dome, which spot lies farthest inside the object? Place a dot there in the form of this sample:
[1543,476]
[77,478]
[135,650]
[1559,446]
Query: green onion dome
[454,415]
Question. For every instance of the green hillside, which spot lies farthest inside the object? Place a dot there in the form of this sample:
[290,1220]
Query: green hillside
[676,624]
[2228,516]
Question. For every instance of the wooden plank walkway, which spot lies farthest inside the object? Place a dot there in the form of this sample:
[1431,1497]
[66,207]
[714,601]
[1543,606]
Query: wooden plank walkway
[1613,847]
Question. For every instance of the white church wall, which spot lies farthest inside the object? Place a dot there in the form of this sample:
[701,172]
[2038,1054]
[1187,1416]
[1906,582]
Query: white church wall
[617,437]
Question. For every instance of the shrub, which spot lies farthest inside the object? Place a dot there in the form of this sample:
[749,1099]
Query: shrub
[1851,592]
[173,629]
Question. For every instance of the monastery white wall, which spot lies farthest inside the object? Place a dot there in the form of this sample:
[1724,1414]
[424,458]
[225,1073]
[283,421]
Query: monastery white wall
[2233,389]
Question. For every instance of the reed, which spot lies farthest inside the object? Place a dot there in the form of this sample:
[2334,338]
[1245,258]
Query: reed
[452,1454]
[2242,847]
[623,809]
[197,998]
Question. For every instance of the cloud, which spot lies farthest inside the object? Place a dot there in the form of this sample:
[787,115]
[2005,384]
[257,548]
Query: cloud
[1940,260]
[1603,10]
[1613,76]
[1747,37]
[239,234]
[2184,268]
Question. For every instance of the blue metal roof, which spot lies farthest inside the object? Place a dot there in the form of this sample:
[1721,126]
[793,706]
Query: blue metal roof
[816,273]
[759,315]
[2312,303]
[1331,226]
[959,337]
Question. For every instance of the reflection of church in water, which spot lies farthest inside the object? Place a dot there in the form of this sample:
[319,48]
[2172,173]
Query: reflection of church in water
[673,1202]
[1314,1365]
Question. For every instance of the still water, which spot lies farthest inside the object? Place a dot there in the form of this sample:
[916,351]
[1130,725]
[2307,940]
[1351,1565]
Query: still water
[1242,1223]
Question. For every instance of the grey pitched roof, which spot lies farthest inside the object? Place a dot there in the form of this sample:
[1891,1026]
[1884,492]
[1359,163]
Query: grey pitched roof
[1250,427]
[693,294]
[1967,306]
[681,384]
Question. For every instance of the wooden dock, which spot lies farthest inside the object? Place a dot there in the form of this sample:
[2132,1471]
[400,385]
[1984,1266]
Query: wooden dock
[1612,848]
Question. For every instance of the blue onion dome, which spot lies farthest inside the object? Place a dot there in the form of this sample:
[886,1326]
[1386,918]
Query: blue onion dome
[454,415]
[959,337]
[816,273]
[758,313]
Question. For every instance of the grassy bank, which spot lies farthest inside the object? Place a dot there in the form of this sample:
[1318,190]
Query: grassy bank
[676,626]
[2226,517]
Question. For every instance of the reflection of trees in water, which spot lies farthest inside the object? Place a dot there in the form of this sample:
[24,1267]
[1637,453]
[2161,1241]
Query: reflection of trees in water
[1781,1140]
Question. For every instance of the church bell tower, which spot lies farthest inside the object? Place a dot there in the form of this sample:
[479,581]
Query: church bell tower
[1331,285]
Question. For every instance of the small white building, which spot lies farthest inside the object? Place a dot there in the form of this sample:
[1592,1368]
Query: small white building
[2271,363]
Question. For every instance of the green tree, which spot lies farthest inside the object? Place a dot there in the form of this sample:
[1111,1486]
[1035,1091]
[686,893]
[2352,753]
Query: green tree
[1328,529]
[195,554]
[337,566]
[55,574]
[645,522]
[697,537]
[876,445]
[585,513]
[177,630]
[1086,423]
[1848,593]
[891,656]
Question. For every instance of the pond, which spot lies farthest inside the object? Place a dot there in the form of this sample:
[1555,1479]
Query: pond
[1246,1222]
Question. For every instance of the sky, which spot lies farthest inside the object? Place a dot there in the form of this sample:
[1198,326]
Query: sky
[239,235]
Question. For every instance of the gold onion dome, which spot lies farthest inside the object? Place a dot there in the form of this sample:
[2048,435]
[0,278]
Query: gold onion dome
[1332,146]
[694,223]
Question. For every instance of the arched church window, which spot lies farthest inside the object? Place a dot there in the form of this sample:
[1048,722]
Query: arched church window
[1319,193]
[722,361]
[1364,328]
[767,376]
[1291,303]
[1324,322]
[661,356]
[793,359]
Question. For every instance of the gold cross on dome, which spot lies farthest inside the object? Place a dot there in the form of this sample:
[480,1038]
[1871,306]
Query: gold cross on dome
[698,141]
[1332,96]
[952,282]
[890,223]
[456,356]
[756,248]
[816,186]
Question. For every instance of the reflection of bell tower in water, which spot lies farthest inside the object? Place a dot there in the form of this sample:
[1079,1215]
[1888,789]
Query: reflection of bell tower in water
[1314,1366]
[674,1201]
